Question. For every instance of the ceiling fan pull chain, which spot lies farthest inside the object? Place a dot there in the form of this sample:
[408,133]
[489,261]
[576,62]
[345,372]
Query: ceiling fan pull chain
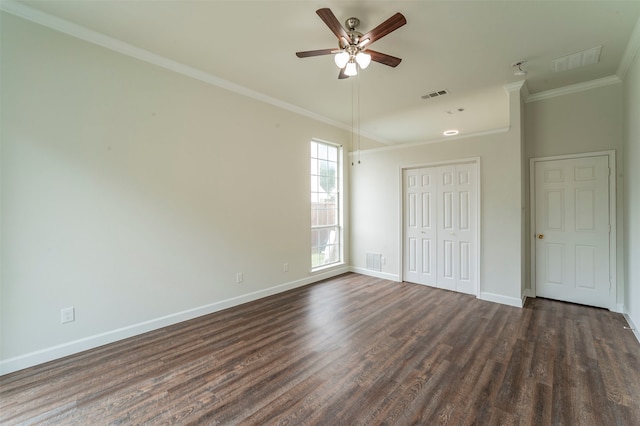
[352,122]
[358,87]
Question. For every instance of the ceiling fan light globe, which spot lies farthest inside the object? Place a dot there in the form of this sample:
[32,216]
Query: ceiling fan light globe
[363,59]
[341,59]
[351,69]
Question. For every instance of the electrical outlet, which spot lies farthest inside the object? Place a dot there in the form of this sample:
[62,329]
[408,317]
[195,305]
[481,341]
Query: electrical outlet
[239,277]
[67,315]
[285,267]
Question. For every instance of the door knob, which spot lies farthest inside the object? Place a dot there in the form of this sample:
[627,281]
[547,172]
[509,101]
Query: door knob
[540,236]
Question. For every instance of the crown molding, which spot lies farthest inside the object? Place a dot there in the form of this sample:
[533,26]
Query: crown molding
[514,87]
[518,86]
[574,88]
[26,12]
[399,146]
[633,46]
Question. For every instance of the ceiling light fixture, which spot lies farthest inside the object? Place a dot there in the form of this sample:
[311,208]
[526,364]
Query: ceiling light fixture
[341,59]
[519,71]
[363,59]
[352,44]
[450,132]
[351,69]
[351,55]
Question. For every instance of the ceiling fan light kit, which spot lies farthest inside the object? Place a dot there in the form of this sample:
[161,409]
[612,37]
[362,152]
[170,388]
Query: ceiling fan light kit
[351,69]
[363,59]
[341,59]
[352,44]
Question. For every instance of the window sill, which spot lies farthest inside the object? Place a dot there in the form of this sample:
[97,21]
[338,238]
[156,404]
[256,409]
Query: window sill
[325,268]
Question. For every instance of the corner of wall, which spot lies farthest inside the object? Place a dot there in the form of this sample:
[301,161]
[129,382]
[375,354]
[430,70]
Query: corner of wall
[518,93]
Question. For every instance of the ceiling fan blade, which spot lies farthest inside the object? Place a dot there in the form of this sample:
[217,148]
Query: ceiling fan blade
[383,58]
[342,75]
[391,24]
[319,52]
[332,22]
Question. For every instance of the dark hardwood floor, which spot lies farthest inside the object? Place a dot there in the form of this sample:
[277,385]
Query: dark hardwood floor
[351,350]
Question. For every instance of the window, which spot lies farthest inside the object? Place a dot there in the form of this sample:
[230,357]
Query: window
[326,210]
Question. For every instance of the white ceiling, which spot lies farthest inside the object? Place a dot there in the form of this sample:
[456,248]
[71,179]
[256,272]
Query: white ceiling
[466,47]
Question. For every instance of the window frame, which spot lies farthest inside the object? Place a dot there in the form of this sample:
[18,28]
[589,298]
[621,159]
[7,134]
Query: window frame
[339,207]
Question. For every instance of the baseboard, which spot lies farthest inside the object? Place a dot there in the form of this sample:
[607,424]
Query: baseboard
[634,329]
[59,351]
[527,293]
[504,300]
[620,308]
[490,297]
[377,274]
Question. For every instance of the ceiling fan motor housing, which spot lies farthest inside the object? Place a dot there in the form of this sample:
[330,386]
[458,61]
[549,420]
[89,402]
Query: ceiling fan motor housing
[354,36]
[352,23]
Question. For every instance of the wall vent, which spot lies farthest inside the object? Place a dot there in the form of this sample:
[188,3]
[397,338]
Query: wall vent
[576,60]
[435,94]
[374,262]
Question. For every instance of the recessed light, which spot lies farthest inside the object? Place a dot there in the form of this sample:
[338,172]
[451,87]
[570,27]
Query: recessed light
[450,132]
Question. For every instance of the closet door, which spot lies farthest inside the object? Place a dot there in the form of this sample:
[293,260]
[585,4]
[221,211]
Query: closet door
[440,212]
[447,253]
[420,226]
[456,234]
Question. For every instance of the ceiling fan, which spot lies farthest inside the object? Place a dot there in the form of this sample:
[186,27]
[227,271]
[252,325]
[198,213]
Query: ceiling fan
[353,51]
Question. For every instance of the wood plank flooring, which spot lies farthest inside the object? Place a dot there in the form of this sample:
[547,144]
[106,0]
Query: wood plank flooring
[352,350]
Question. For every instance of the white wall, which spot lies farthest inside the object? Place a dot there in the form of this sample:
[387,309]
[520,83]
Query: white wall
[376,204]
[136,194]
[632,190]
[585,121]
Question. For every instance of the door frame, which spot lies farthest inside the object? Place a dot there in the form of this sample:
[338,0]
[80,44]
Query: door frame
[474,160]
[613,256]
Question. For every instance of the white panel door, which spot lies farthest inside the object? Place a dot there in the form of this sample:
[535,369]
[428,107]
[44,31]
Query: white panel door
[440,227]
[456,213]
[466,233]
[447,220]
[572,230]
[420,226]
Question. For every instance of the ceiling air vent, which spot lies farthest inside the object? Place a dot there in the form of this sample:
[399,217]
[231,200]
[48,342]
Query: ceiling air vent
[435,94]
[576,60]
